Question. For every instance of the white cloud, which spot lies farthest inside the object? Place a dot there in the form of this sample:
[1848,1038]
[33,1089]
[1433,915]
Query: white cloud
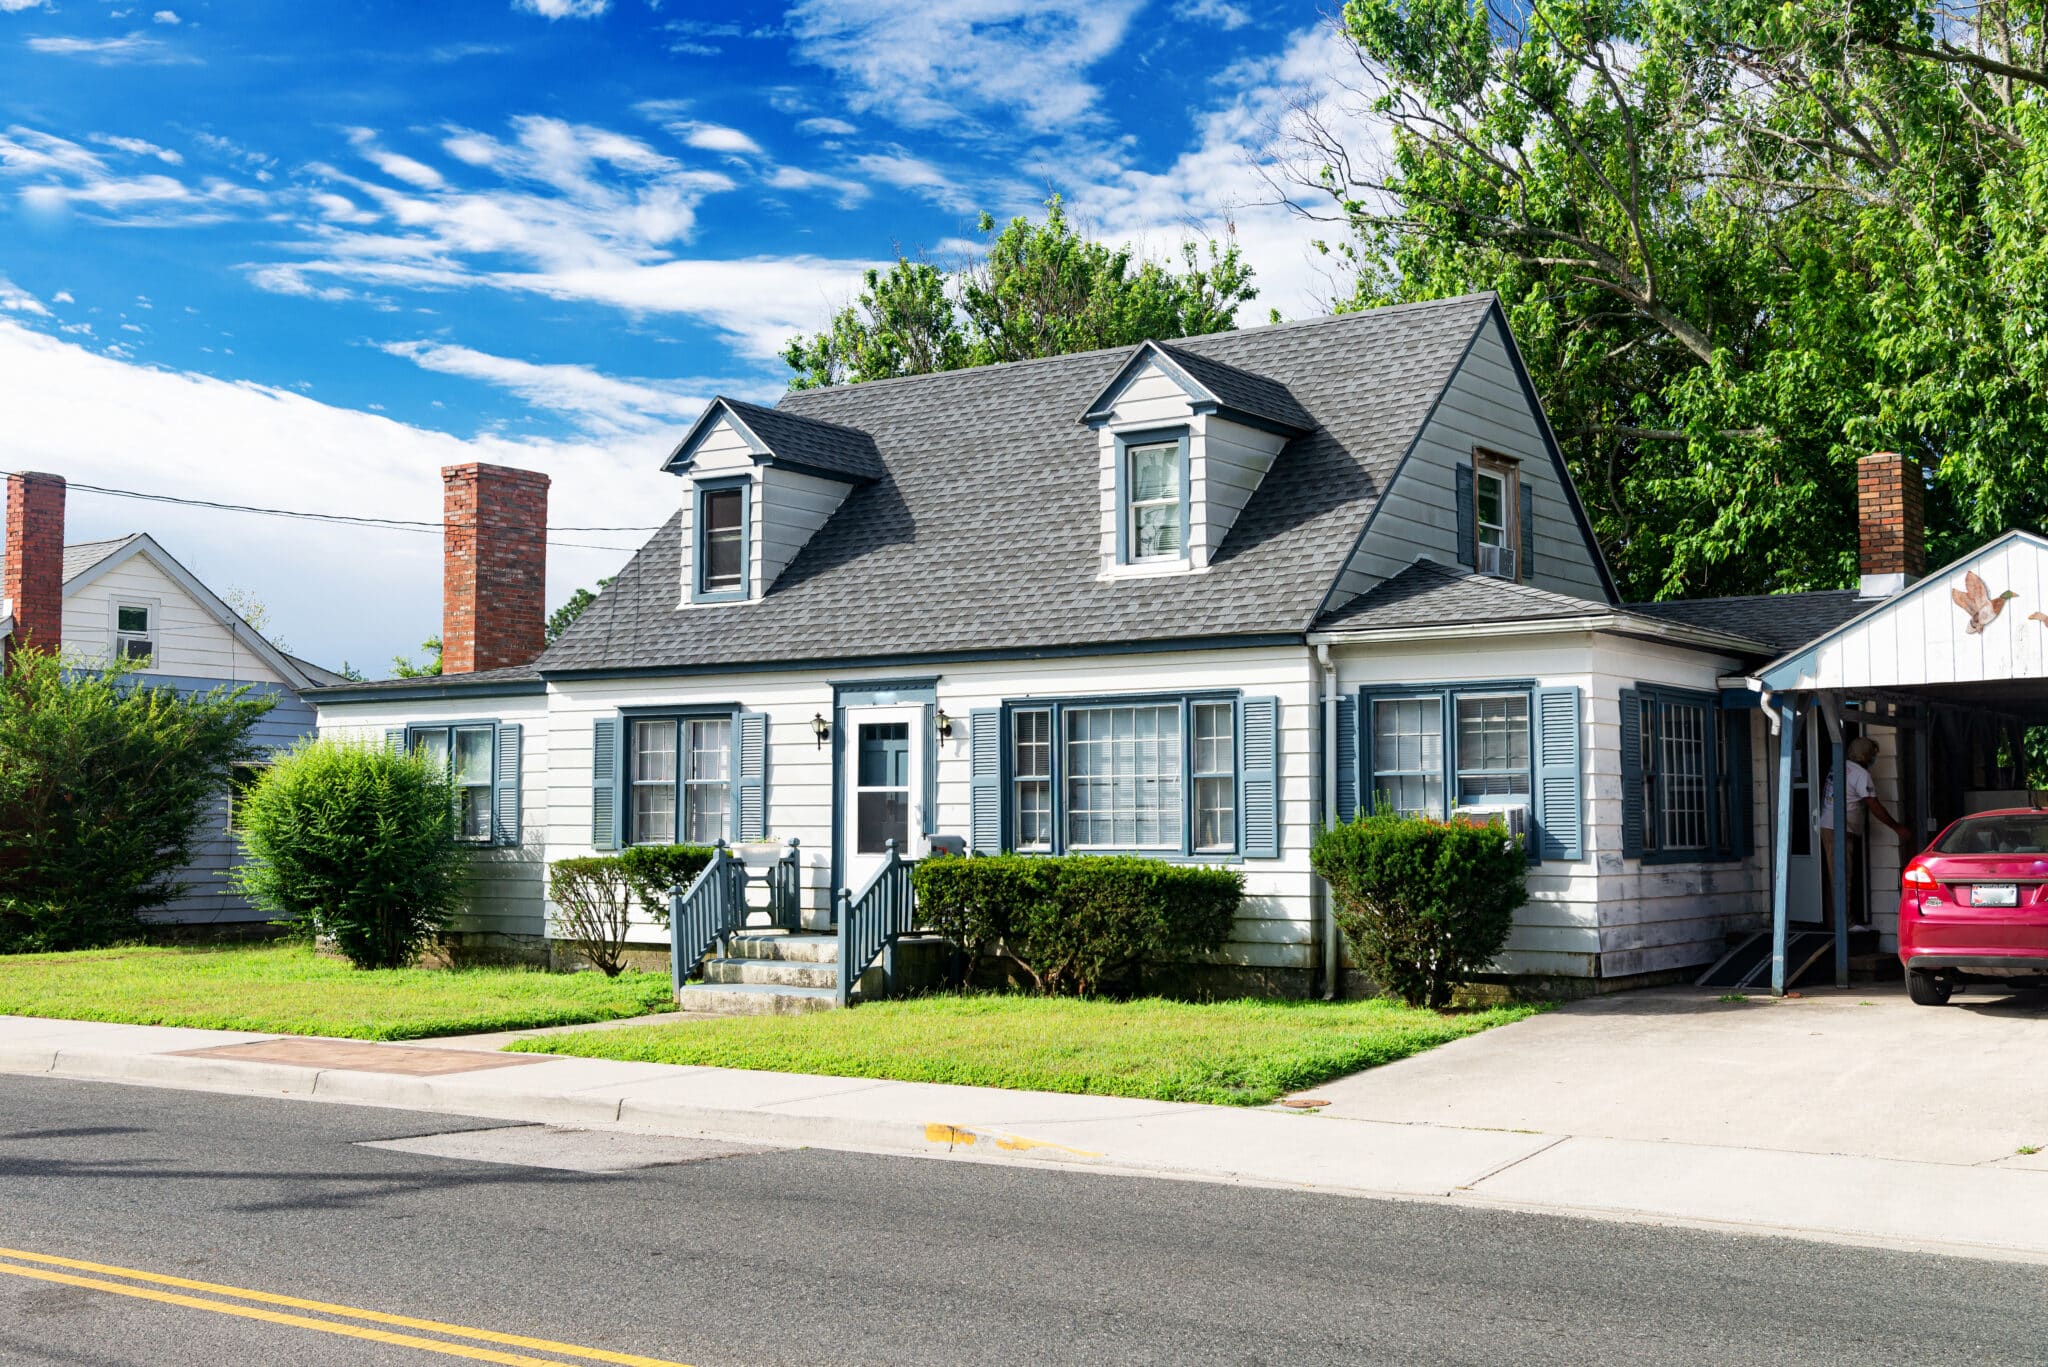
[393,164]
[826,127]
[931,67]
[14,299]
[1222,13]
[167,16]
[563,9]
[340,208]
[906,172]
[712,137]
[133,47]
[62,297]
[600,404]
[334,592]
[849,192]
[138,147]
[17,6]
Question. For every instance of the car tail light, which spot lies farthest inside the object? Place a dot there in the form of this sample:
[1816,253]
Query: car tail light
[1917,878]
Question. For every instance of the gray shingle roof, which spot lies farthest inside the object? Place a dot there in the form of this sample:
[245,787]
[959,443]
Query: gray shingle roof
[826,448]
[1241,390]
[985,530]
[1782,621]
[1427,594]
[428,684]
[81,556]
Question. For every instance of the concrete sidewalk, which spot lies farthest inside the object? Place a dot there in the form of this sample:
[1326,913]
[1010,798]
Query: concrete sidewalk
[1949,1207]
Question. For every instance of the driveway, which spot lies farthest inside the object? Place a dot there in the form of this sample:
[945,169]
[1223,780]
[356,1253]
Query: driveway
[1862,1072]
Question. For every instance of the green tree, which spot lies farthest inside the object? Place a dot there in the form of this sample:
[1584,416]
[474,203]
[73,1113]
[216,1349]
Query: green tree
[1741,245]
[1044,289]
[426,667]
[563,617]
[105,784]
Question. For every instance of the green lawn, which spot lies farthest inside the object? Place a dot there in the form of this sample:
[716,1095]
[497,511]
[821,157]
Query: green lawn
[1243,1053]
[289,990]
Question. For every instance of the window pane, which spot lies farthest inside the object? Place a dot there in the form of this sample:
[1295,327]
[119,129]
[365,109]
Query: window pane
[1493,750]
[1123,787]
[884,755]
[1488,491]
[1215,814]
[882,816]
[722,510]
[1684,761]
[1408,755]
[724,539]
[1215,739]
[710,757]
[1034,815]
[433,745]
[709,812]
[473,813]
[654,751]
[133,619]
[473,755]
[654,814]
[1031,733]
[1156,530]
[1155,472]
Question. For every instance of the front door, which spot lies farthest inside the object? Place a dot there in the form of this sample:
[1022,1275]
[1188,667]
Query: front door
[881,766]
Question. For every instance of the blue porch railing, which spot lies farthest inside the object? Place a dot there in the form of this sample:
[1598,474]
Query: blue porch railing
[871,922]
[701,916]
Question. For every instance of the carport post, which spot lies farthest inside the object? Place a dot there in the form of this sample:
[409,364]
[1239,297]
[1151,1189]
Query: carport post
[1781,875]
[1840,835]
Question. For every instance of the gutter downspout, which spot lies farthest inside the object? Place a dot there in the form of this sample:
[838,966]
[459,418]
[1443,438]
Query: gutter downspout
[1329,906]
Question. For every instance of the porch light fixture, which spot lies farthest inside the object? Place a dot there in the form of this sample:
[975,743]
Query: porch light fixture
[943,724]
[820,728]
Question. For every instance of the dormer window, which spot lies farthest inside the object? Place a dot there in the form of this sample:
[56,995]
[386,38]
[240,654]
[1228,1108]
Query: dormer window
[1493,499]
[1153,481]
[722,540]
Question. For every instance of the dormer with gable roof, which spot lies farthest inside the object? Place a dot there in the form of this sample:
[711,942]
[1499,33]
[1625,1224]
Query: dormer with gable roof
[757,483]
[1184,442]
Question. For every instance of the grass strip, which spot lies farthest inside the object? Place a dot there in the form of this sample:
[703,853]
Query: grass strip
[1240,1053]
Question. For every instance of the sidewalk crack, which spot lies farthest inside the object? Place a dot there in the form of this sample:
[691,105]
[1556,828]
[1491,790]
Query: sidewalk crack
[1500,1168]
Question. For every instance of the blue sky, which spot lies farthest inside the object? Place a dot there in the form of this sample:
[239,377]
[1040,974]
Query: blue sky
[304,255]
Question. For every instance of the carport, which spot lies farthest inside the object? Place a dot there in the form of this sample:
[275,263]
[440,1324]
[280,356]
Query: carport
[1946,676]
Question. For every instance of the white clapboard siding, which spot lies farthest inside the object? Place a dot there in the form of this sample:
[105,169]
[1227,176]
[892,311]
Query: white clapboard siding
[789,508]
[508,887]
[1276,929]
[1484,405]
[189,641]
[1226,462]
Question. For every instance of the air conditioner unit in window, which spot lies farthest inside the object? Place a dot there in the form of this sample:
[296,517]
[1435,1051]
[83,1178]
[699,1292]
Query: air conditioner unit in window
[1515,817]
[1498,561]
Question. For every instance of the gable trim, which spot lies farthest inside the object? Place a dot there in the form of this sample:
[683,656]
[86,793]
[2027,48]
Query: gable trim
[678,462]
[1104,408]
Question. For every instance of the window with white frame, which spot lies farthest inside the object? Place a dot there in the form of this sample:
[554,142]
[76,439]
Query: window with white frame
[1152,498]
[134,631]
[722,540]
[1484,761]
[468,755]
[1493,750]
[1156,775]
[1408,754]
[679,774]
[1214,771]
[1123,767]
[1031,779]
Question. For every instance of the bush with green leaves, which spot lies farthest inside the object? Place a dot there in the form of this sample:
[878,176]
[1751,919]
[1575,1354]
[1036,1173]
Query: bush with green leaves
[1424,904]
[1078,924]
[593,909]
[105,785]
[356,841]
[652,870]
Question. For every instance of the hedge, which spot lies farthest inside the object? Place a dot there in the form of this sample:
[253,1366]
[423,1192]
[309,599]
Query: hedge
[651,870]
[1078,923]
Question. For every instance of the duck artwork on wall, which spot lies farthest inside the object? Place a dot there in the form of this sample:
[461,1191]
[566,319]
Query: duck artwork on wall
[1975,599]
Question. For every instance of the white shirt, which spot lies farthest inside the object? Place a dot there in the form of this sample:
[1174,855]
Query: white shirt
[1860,787]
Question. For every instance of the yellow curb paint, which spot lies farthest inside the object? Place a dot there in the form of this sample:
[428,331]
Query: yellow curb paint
[951,1135]
[325,1307]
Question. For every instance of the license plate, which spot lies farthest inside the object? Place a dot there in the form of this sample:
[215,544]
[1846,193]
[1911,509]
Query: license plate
[1994,895]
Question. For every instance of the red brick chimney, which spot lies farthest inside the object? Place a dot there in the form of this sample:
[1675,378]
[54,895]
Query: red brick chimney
[1891,535]
[494,567]
[35,560]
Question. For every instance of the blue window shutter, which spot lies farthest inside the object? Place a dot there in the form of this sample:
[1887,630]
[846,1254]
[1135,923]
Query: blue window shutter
[751,815]
[1738,780]
[1559,807]
[986,791]
[931,768]
[1468,519]
[604,783]
[395,739]
[1631,774]
[1347,758]
[505,787]
[1525,566]
[1258,778]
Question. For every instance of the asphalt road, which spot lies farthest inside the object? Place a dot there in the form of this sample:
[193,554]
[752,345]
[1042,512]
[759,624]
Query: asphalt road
[806,1256]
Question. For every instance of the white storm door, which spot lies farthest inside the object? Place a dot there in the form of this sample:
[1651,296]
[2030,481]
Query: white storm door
[881,769]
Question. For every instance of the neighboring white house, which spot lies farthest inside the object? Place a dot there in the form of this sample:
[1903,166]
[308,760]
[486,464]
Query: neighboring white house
[128,598]
[1195,599]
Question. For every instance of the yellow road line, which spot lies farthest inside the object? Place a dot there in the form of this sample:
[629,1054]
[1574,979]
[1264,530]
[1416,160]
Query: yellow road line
[324,1307]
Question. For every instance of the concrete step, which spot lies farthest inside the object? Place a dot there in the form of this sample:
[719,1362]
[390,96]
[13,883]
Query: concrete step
[783,946]
[753,999]
[771,973]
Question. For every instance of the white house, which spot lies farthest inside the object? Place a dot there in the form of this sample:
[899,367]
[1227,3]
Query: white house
[129,599]
[1194,599]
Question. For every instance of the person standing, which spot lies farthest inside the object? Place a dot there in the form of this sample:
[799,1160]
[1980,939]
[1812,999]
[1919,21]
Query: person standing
[1863,803]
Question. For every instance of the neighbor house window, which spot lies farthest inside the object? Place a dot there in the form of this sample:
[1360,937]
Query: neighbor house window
[241,779]
[681,780]
[1158,775]
[134,637]
[722,540]
[1155,509]
[466,752]
[1484,762]
[1496,505]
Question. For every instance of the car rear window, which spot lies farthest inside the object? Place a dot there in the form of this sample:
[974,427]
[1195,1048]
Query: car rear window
[2016,833]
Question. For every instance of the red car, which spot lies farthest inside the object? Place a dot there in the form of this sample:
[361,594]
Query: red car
[1974,906]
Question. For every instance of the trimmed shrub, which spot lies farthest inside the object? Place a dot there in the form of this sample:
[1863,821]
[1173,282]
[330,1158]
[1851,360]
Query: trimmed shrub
[651,870]
[1424,904]
[356,841]
[593,908]
[105,786]
[1078,924]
